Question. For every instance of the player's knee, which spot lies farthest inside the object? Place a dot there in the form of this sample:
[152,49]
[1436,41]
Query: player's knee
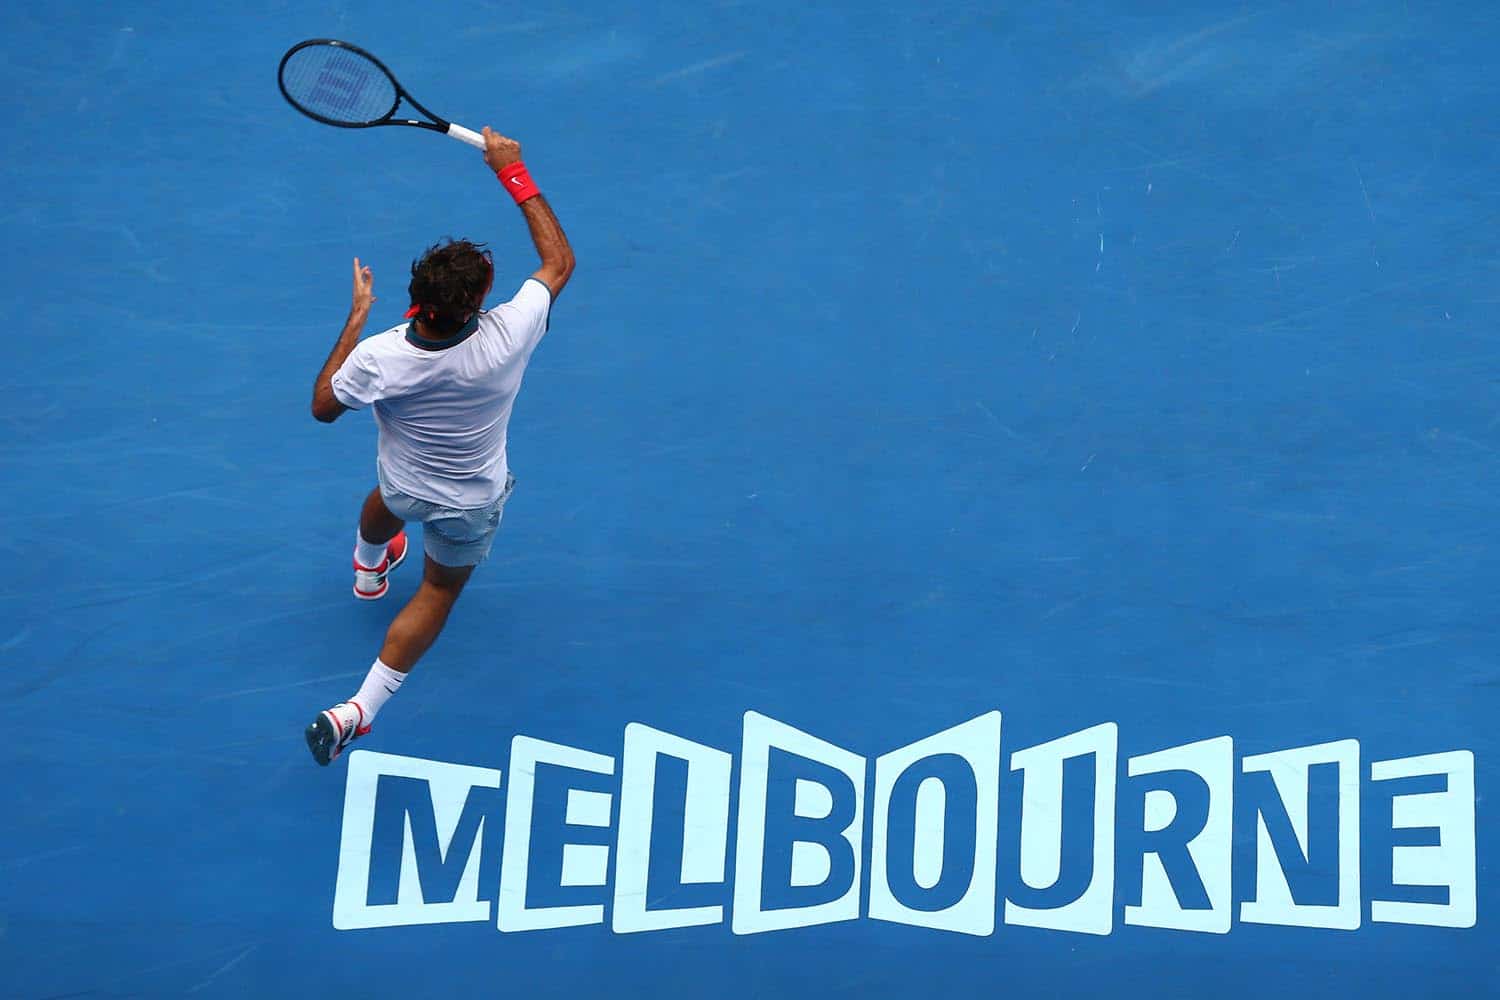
[445,581]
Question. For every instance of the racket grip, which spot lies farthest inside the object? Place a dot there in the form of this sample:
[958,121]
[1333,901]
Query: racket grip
[466,135]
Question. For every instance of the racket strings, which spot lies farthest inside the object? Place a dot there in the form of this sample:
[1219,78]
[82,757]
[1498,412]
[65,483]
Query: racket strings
[337,84]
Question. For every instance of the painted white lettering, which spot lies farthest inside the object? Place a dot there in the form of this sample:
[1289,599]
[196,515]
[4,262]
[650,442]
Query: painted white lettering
[1205,848]
[1274,901]
[1092,911]
[580,867]
[705,828]
[838,829]
[425,800]
[1450,863]
[931,808]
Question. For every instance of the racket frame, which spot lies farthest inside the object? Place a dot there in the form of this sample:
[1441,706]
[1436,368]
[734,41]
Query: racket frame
[434,124]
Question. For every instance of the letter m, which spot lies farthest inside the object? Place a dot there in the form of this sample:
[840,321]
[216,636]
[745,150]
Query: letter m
[413,842]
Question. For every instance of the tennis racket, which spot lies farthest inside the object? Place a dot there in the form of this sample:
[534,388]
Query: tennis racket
[340,84]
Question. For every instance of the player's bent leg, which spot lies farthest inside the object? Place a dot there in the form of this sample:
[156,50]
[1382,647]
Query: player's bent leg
[412,633]
[379,547]
[376,522]
[456,542]
[417,625]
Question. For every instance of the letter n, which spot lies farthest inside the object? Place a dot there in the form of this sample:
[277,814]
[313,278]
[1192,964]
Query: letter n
[1306,803]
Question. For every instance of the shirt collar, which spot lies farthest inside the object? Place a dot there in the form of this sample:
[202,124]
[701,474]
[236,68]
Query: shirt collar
[441,345]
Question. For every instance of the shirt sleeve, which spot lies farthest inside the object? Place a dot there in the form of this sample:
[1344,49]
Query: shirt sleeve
[358,382]
[524,318]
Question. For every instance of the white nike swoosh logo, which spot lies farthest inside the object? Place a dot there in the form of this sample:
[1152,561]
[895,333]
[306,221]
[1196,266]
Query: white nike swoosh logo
[515,180]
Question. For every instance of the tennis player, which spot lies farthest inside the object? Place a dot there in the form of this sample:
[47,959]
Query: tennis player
[442,386]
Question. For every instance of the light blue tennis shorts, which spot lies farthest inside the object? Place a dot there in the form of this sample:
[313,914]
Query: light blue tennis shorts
[451,536]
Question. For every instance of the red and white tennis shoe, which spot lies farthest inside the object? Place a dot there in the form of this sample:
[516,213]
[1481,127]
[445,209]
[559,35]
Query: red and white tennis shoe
[334,729]
[370,584]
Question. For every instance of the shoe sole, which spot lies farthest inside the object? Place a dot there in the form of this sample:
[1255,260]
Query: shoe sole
[323,740]
[382,591]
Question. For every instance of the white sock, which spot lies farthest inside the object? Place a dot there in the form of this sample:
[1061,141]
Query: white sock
[380,683]
[368,554]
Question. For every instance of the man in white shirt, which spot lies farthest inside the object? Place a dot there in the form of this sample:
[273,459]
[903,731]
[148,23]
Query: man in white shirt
[442,386]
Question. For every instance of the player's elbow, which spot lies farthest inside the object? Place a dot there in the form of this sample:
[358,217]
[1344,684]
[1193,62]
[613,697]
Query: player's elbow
[561,267]
[326,407]
[324,412]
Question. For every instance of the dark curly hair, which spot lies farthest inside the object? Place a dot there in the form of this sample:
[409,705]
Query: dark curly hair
[448,284]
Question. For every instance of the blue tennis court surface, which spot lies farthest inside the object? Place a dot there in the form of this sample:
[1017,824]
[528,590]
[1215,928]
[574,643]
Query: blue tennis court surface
[1006,506]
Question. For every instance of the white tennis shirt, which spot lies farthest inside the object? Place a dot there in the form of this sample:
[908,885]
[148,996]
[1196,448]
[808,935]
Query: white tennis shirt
[443,407]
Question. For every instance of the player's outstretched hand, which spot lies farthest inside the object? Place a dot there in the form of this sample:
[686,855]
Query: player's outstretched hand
[364,286]
[500,151]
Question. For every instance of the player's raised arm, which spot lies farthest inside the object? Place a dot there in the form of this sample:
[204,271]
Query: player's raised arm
[504,157]
[326,406]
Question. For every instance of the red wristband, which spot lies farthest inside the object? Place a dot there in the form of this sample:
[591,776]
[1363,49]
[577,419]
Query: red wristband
[517,181]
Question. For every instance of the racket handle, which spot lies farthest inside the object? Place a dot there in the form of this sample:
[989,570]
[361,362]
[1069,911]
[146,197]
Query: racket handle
[466,135]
